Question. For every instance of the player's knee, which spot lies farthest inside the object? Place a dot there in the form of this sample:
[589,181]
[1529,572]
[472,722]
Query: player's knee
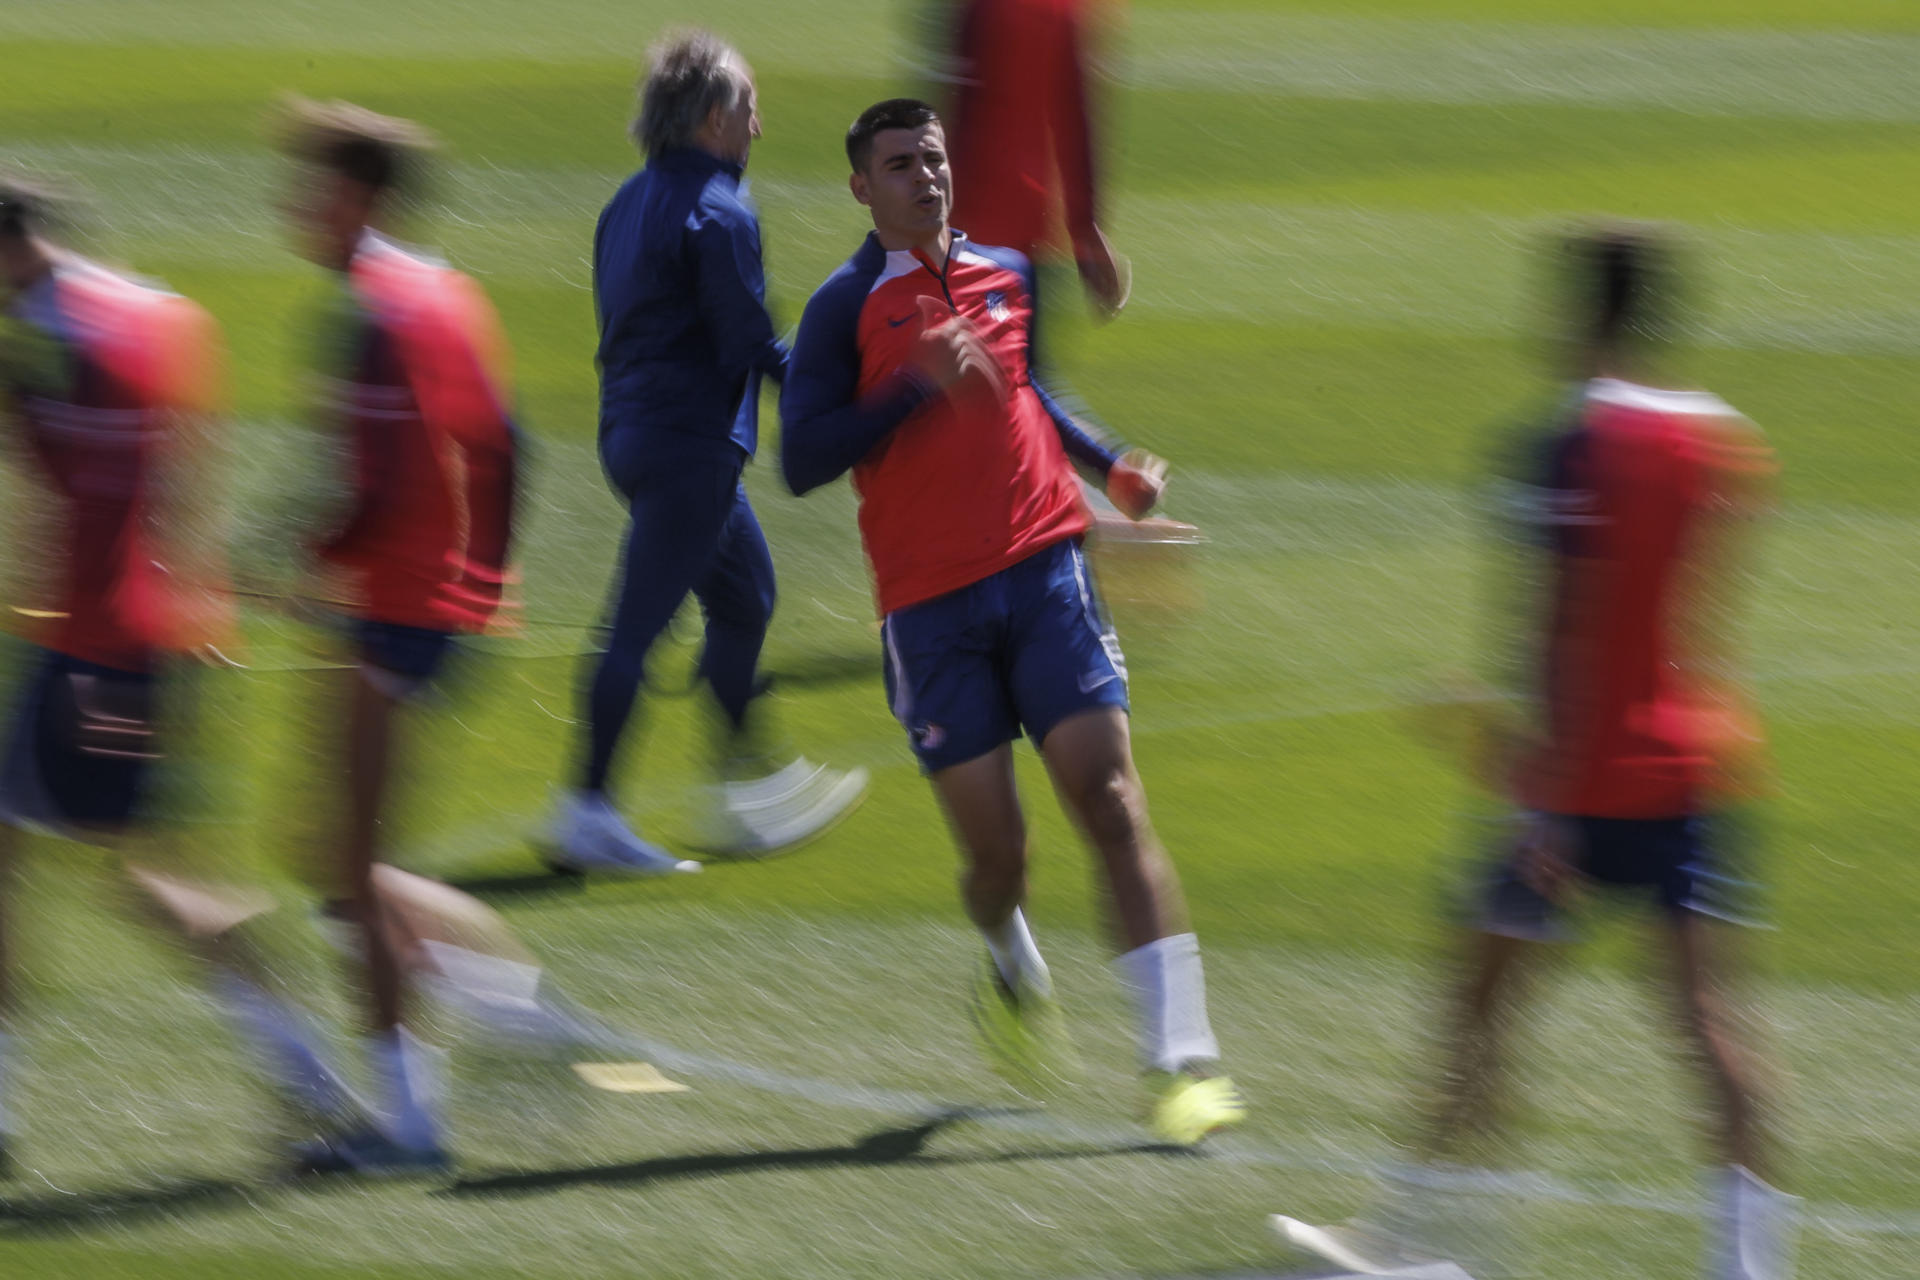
[1114,808]
[997,871]
[1699,1012]
[998,879]
[1000,858]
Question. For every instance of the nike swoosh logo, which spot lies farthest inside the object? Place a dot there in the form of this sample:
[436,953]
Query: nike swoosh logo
[1088,686]
[895,324]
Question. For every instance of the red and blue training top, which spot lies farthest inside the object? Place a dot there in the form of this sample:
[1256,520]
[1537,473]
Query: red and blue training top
[424,404]
[102,373]
[954,486]
[1642,503]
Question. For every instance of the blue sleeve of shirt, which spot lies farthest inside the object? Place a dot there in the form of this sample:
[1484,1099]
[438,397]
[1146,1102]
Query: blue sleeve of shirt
[1085,445]
[732,291]
[1084,442]
[826,427]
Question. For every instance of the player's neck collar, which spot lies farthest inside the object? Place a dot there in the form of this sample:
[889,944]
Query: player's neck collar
[956,243]
[695,160]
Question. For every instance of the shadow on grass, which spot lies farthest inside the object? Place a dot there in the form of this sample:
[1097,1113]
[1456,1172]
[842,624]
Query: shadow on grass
[77,1211]
[520,884]
[901,1146]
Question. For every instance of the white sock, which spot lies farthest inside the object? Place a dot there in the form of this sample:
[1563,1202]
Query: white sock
[1170,998]
[406,1084]
[281,1042]
[468,976]
[1752,1233]
[6,1064]
[1015,955]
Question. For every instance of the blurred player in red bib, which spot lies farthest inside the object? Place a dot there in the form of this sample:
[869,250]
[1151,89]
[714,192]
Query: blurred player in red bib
[414,381]
[111,386]
[1021,113]
[1637,503]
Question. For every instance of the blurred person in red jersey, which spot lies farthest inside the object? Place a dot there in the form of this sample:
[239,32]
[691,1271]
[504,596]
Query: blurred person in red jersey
[111,393]
[414,384]
[1632,741]
[1021,108]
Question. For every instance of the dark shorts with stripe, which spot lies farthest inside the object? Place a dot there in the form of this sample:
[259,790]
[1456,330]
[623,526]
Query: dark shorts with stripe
[401,660]
[1678,865]
[1019,650]
[82,747]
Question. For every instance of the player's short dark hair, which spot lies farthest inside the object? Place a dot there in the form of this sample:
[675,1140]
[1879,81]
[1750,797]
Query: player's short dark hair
[689,73]
[894,113]
[383,152]
[1621,281]
[27,206]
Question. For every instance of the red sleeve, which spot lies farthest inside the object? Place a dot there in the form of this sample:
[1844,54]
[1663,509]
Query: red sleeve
[464,390]
[492,476]
[1071,121]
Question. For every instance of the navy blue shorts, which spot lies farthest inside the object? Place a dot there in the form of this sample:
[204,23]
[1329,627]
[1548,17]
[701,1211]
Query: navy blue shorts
[82,747]
[400,659]
[1020,650]
[1677,864]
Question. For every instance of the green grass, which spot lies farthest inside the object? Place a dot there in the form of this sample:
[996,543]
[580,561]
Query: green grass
[1334,214]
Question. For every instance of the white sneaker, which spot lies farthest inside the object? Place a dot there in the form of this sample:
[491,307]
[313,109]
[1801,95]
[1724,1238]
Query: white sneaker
[588,835]
[785,808]
[540,1026]
[1362,1251]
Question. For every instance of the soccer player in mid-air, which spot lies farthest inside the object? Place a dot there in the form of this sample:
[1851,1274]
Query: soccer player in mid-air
[911,369]
[414,362]
[1637,501]
[109,391]
[685,341]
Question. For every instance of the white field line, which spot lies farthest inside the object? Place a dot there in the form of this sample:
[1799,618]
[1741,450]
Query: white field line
[1828,1217]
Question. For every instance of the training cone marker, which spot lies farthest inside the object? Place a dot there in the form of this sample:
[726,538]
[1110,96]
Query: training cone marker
[627,1077]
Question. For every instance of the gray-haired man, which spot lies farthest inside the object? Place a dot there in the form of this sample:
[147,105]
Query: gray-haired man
[684,341]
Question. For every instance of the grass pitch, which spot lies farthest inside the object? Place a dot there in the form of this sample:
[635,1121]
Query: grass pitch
[1333,214]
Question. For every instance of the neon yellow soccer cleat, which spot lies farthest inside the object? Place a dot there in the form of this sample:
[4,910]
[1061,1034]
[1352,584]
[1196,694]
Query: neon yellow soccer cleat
[1022,1033]
[1188,1107]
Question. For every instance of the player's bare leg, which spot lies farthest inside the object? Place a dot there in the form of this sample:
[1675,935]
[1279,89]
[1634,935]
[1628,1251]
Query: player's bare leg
[1013,1007]
[1090,758]
[210,921]
[403,1069]
[1472,1057]
[982,807]
[370,731]
[1415,1221]
[460,951]
[1706,1027]
[1750,1236]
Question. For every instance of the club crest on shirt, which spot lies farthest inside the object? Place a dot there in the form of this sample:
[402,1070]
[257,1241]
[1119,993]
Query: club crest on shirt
[997,305]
